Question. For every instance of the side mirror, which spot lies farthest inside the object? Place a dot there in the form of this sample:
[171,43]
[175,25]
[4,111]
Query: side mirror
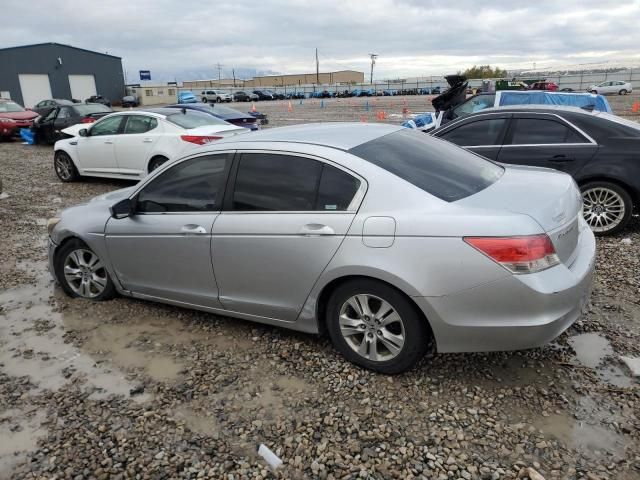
[122,209]
[83,132]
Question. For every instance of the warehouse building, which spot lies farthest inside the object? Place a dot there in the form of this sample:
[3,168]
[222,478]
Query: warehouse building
[326,78]
[31,73]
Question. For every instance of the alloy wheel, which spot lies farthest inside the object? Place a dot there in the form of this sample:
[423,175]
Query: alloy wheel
[64,167]
[603,209]
[85,273]
[372,327]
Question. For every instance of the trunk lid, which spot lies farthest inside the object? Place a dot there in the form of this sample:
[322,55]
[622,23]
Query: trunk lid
[216,130]
[551,198]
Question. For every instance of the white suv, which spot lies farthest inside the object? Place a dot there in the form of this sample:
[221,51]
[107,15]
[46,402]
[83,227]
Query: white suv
[215,96]
[615,86]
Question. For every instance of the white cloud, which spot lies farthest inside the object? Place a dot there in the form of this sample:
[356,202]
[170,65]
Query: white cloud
[412,37]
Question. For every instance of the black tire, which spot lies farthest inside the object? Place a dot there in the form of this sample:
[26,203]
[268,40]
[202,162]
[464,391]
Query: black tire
[156,162]
[218,100]
[204,99]
[623,92]
[626,201]
[64,167]
[595,92]
[62,254]
[417,334]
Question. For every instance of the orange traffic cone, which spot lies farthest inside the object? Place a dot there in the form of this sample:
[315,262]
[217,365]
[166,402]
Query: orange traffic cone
[289,107]
[636,107]
[363,119]
[253,107]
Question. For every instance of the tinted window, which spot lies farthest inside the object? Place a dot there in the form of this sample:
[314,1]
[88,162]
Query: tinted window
[192,186]
[140,124]
[193,119]
[65,112]
[475,104]
[108,126]
[481,132]
[437,167]
[276,182]
[337,189]
[534,131]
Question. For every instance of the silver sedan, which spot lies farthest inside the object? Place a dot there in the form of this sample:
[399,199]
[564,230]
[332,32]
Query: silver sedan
[390,241]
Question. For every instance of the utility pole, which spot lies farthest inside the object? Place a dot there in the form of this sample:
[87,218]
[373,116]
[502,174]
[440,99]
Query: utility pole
[373,62]
[317,68]
[233,71]
[219,73]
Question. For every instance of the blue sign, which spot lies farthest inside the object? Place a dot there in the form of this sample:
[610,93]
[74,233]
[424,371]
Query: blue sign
[145,74]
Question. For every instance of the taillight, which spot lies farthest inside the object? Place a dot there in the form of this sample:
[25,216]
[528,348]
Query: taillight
[87,120]
[199,139]
[527,254]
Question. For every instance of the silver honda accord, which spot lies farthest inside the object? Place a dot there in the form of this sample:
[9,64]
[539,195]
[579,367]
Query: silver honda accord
[391,241]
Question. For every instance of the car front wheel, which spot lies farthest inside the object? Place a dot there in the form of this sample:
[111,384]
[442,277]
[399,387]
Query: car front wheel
[607,207]
[64,167]
[375,326]
[82,273]
[622,92]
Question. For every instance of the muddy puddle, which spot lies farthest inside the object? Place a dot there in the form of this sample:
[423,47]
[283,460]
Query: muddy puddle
[20,434]
[595,352]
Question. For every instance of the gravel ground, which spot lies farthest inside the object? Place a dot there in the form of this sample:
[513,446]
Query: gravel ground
[129,389]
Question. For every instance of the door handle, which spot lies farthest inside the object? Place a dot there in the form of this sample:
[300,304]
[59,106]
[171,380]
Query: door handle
[193,229]
[560,159]
[316,229]
[147,140]
[108,142]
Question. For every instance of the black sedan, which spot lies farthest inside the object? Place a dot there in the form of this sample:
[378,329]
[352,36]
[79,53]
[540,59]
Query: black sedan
[599,150]
[48,128]
[45,106]
[224,113]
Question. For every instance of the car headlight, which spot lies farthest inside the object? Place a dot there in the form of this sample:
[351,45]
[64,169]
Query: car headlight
[51,224]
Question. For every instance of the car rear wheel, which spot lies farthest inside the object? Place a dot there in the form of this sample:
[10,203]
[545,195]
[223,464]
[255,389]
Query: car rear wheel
[607,207]
[375,326]
[204,99]
[64,167]
[623,92]
[82,273]
[595,92]
[156,162]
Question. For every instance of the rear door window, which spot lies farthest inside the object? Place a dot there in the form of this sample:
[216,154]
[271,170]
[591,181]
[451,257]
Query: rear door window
[336,190]
[139,124]
[541,131]
[487,131]
[440,168]
[275,182]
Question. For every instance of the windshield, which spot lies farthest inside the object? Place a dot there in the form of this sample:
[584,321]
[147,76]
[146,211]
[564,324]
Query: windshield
[475,104]
[89,109]
[438,167]
[6,107]
[192,119]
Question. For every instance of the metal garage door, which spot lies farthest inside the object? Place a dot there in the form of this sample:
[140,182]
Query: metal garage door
[82,86]
[34,88]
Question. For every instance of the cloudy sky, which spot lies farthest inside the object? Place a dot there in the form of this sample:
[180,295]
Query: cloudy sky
[412,37]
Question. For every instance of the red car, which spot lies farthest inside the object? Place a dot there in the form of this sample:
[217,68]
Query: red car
[13,117]
[549,86]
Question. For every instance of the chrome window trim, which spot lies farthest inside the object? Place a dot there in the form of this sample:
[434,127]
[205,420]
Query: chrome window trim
[585,135]
[353,207]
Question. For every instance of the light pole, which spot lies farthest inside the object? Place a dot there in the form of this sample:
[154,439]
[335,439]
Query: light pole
[373,62]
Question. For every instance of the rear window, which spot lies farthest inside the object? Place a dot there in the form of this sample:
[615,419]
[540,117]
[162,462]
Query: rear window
[89,109]
[192,119]
[435,166]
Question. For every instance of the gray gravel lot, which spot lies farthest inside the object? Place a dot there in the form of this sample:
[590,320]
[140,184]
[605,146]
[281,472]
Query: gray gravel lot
[129,389]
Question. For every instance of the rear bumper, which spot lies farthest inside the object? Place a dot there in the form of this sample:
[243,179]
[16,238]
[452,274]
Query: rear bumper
[516,312]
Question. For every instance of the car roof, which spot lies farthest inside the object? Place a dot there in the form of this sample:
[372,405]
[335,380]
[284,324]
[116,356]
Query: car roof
[340,135]
[535,108]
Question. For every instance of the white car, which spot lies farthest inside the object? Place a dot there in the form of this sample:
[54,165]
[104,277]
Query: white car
[613,86]
[215,96]
[131,144]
